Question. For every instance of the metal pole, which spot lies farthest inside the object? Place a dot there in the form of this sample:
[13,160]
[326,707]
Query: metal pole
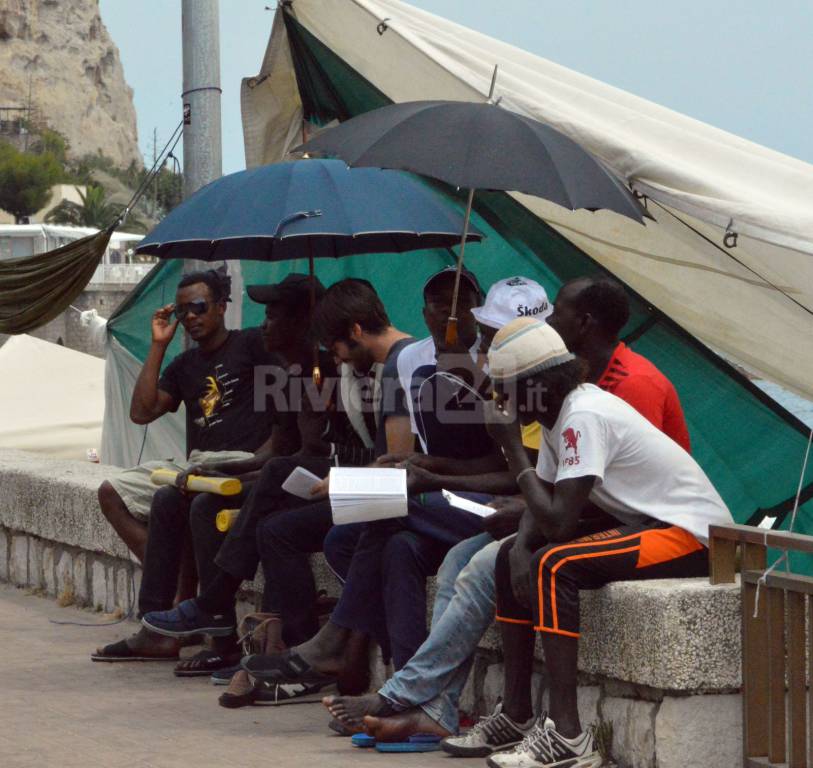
[202,161]
[202,138]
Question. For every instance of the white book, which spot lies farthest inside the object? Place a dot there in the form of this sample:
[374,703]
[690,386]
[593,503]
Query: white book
[481,510]
[300,483]
[362,494]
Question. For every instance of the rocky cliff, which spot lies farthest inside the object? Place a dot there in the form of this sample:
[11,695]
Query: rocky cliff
[60,53]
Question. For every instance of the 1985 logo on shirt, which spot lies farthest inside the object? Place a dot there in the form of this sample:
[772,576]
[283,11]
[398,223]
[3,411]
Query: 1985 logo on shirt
[571,437]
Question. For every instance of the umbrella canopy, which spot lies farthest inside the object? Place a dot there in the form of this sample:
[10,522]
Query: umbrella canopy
[307,208]
[478,146]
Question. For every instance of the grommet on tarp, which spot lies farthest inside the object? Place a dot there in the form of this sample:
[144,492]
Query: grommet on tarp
[640,196]
[382,26]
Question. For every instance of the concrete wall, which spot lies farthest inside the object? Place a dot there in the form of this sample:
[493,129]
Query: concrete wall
[658,660]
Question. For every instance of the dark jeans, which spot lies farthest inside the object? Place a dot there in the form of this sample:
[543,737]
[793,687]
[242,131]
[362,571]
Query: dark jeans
[284,541]
[237,554]
[385,590]
[167,530]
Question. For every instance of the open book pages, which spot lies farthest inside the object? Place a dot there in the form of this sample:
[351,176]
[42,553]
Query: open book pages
[300,483]
[362,494]
[481,510]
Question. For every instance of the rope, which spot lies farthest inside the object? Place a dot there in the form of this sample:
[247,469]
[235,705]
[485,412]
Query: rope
[162,157]
[784,556]
[731,256]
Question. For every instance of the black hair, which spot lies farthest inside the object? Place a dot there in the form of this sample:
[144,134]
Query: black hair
[558,382]
[218,281]
[606,300]
[346,303]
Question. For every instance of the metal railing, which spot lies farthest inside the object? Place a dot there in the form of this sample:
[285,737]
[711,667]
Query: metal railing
[775,643]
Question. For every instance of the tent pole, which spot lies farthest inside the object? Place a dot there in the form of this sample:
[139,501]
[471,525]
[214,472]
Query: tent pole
[451,325]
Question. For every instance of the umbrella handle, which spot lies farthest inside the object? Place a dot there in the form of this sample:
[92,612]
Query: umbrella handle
[451,325]
[451,332]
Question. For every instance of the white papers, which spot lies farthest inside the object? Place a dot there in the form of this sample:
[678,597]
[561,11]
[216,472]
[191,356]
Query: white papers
[300,483]
[481,510]
[358,495]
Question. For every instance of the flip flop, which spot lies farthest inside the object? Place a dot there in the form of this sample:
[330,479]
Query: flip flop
[362,740]
[209,662]
[120,651]
[419,742]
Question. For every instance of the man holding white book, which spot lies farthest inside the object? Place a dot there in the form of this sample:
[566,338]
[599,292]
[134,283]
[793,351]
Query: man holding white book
[385,592]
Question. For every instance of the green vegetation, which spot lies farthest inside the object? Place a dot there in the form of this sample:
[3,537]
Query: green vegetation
[26,180]
[95,211]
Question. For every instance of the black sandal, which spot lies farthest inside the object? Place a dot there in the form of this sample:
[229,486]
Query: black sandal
[120,651]
[288,667]
[208,661]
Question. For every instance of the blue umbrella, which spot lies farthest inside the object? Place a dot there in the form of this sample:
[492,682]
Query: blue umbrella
[314,208]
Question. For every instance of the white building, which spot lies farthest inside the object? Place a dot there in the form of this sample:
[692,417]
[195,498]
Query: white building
[119,265]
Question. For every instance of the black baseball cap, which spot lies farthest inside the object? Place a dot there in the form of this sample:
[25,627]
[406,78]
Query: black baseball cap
[294,287]
[465,274]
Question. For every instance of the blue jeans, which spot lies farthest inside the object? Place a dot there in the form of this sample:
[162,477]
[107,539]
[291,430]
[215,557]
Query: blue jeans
[384,595]
[434,677]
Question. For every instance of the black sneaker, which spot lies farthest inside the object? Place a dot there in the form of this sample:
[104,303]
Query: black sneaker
[187,618]
[489,735]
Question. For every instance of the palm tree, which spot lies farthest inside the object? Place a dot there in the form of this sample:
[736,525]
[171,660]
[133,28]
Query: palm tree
[95,211]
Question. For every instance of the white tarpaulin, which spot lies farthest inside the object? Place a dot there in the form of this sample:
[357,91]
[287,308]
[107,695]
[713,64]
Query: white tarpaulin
[51,398]
[124,443]
[730,253]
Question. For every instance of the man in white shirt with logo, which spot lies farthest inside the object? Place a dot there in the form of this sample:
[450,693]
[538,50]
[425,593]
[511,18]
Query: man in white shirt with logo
[597,450]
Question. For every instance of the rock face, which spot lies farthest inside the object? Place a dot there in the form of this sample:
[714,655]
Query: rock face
[62,52]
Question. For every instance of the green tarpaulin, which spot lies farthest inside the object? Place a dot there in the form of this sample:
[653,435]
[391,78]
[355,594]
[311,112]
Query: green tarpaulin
[751,448]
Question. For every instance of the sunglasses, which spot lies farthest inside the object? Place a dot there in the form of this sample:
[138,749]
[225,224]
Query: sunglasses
[197,307]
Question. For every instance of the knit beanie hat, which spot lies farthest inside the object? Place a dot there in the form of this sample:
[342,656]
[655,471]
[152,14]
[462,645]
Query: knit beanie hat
[524,347]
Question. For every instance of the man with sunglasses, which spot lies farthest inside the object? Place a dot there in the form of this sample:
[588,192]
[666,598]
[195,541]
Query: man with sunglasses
[215,381]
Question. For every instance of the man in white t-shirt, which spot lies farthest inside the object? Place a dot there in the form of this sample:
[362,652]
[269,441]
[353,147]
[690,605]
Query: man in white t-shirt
[597,450]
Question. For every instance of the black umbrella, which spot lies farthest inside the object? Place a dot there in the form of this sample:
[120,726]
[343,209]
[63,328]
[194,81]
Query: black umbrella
[478,146]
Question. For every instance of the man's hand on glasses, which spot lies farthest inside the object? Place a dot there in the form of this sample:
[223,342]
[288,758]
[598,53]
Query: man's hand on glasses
[163,327]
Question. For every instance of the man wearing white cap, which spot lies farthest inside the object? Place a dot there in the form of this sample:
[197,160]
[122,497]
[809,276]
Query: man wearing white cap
[425,693]
[506,300]
[597,449]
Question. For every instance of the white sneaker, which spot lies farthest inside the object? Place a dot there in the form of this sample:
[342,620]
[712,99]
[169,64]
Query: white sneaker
[543,747]
[490,734]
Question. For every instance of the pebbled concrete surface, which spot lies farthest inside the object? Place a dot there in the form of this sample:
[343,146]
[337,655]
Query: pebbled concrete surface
[60,709]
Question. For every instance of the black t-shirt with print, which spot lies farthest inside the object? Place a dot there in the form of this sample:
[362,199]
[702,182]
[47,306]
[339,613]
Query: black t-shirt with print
[217,389]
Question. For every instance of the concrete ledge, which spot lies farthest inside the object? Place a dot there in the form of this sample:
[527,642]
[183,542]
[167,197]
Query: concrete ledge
[677,636]
[55,500]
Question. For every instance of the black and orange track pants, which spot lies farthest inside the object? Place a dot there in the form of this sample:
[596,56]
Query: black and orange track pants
[652,550]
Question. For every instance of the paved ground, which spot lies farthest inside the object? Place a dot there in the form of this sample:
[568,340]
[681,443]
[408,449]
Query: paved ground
[57,708]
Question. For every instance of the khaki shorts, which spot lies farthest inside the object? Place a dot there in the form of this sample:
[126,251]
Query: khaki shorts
[136,489]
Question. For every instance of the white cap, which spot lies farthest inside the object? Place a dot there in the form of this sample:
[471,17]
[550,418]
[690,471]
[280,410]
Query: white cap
[512,298]
[524,347]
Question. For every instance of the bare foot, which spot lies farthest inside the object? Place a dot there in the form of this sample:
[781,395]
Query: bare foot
[403,725]
[350,710]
